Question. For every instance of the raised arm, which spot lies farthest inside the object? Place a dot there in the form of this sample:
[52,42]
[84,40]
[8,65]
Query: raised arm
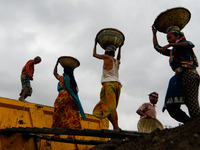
[95,51]
[155,41]
[55,72]
[164,50]
[119,53]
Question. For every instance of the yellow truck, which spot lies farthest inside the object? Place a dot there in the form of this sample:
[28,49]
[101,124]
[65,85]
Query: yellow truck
[17,114]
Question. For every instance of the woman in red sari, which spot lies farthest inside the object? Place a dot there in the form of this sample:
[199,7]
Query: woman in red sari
[67,105]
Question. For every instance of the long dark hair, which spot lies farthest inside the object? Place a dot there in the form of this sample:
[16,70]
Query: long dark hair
[73,84]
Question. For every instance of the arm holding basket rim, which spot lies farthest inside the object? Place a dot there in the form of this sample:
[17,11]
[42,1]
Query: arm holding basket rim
[119,52]
[163,50]
[95,51]
[55,72]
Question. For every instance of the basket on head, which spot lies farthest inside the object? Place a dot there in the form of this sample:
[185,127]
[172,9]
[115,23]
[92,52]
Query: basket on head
[68,61]
[110,36]
[146,124]
[178,16]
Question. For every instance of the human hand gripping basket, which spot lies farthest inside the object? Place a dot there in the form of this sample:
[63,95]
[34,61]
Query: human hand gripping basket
[110,36]
[147,124]
[178,16]
[68,61]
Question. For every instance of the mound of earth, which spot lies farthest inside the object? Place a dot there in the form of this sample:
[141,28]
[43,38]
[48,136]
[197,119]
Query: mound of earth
[184,137]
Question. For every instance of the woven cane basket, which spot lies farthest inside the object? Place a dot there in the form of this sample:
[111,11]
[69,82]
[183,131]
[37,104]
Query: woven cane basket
[110,36]
[146,124]
[178,16]
[68,61]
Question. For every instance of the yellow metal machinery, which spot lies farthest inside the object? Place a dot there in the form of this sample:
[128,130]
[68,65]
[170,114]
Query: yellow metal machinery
[14,113]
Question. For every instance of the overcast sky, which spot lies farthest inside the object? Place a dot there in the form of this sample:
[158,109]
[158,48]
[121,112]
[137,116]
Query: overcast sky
[54,28]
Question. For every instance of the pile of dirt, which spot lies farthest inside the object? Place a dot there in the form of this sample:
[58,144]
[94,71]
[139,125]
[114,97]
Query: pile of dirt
[184,137]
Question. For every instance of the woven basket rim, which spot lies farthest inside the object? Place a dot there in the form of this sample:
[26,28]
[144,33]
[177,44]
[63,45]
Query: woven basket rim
[76,62]
[110,29]
[152,119]
[163,15]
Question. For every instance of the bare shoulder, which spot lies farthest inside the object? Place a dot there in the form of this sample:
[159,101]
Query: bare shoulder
[109,58]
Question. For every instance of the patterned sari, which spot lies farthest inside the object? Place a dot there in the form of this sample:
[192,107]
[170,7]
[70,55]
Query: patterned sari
[66,113]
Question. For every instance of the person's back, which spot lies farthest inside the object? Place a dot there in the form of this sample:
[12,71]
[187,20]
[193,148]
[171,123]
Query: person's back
[28,69]
[111,74]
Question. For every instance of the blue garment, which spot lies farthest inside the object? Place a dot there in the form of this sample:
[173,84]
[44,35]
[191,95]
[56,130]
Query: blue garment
[75,96]
[174,95]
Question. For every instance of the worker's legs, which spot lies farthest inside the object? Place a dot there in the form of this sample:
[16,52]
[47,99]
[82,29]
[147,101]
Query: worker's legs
[178,114]
[190,86]
[24,94]
[26,87]
[113,117]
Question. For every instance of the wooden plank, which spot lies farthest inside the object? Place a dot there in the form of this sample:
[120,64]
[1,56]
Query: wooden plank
[84,132]
[66,140]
